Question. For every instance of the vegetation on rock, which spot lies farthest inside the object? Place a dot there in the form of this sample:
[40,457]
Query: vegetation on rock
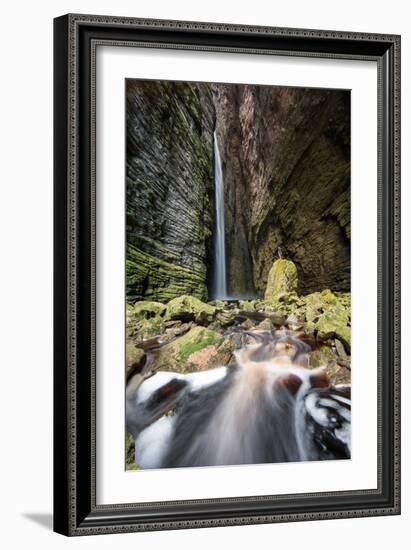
[282,279]
[189,308]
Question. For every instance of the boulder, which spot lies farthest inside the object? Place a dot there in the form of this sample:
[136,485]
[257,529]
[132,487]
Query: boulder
[334,323]
[294,322]
[247,305]
[177,355]
[134,357]
[147,310]
[324,356]
[144,319]
[282,279]
[145,328]
[226,317]
[187,308]
[328,314]
[265,325]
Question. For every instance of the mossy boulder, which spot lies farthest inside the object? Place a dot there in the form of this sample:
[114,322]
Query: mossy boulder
[266,324]
[247,305]
[130,452]
[144,319]
[324,356]
[220,304]
[134,357]
[334,323]
[329,315]
[137,331]
[181,355]
[147,310]
[226,317]
[189,308]
[282,279]
[195,340]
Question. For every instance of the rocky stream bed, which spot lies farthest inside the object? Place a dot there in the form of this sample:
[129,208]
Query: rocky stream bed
[187,335]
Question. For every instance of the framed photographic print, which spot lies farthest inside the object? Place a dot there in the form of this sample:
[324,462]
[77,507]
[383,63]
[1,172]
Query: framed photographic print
[227,280]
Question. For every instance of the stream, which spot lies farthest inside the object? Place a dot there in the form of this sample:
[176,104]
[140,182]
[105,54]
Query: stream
[266,406]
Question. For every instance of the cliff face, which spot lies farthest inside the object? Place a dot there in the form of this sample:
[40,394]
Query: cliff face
[286,156]
[168,188]
[286,165]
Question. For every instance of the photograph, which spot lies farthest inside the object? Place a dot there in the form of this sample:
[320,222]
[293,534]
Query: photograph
[237,275]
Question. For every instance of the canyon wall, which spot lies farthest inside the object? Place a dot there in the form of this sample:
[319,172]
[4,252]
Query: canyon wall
[286,164]
[286,157]
[169,182]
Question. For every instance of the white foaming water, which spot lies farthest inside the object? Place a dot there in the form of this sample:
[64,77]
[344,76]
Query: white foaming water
[219,288]
[266,407]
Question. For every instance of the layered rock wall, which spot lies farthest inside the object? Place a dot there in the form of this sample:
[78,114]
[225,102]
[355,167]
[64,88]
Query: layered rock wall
[287,175]
[286,164]
[169,183]
[286,159]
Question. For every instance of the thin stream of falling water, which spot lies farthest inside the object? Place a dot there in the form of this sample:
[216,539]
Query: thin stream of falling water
[219,288]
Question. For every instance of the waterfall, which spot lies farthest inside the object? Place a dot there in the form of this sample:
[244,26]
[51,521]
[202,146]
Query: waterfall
[219,287]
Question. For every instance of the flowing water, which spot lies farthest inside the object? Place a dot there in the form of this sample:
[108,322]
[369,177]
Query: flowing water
[266,406]
[219,286]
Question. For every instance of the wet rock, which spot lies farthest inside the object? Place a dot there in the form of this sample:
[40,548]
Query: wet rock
[214,355]
[247,324]
[282,279]
[176,355]
[226,317]
[294,323]
[130,452]
[219,304]
[247,305]
[135,358]
[324,356]
[147,310]
[177,330]
[340,349]
[237,340]
[334,323]
[189,308]
[328,315]
[216,326]
[338,374]
[144,329]
[265,325]
[144,319]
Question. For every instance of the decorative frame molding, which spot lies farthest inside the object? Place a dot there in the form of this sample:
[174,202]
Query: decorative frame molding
[76,40]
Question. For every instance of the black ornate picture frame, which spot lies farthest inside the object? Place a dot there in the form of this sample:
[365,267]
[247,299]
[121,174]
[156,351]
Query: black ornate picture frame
[76,38]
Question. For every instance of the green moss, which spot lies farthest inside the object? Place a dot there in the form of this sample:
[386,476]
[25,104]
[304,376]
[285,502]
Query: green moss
[247,305]
[145,328]
[322,357]
[134,356]
[196,339]
[130,452]
[190,308]
[282,279]
[147,310]
[150,278]
[327,313]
